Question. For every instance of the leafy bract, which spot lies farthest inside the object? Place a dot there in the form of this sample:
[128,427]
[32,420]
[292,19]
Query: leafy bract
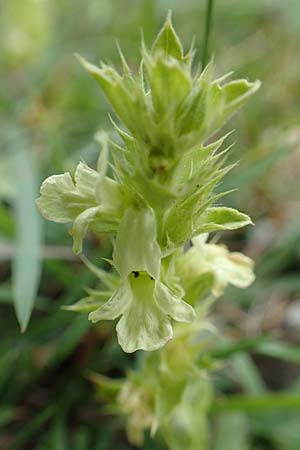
[168,42]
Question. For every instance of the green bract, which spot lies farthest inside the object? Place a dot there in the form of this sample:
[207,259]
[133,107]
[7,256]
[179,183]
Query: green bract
[160,194]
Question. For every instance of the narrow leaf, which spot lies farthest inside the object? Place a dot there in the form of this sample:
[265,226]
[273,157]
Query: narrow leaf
[27,261]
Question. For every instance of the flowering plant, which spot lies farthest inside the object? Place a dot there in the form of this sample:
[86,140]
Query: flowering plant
[159,199]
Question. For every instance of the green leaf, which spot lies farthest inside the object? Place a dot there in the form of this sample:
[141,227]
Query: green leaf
[280,350]
[167,41]
[191,162]
[87,304]
[27,261]
[170,85]
[222,218]
[156,195]
[121,97]
[256,403]
[226,349]
[248,375]
[237,92]
[109,280]
[224,100]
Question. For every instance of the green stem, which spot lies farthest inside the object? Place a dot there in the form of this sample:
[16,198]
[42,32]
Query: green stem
[207,32]
[252,403]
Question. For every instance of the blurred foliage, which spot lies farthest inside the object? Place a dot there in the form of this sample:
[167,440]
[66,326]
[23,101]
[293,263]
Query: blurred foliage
[50,110]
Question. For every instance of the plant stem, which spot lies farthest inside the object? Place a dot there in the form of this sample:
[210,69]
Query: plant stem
[207,32]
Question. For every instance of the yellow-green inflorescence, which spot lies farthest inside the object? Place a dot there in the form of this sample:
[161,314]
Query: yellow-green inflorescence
[160,195]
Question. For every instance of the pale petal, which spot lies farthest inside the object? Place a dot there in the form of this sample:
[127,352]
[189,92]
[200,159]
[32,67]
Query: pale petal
[52,203]
[144,326]
[173,305]
[80,227]
[136,248]
[115,306]
[62,199]
[237,269]
[85,180]
[201,239]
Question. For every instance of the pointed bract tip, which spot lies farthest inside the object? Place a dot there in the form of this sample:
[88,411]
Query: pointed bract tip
[88,66]
[169,16]
[126,69]
[80,58]
[167,40]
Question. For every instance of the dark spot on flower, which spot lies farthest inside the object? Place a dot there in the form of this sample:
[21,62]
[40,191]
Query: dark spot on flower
[136,274]
[151,278]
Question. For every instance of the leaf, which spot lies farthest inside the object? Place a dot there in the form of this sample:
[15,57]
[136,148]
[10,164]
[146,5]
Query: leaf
[87,304]
[280,350]
[109,280]
[256,403]
[237,92]
[27,261]
[71,336]
[224,100]
[226,349]
[114,87]
[248,375]
[222,218]
[170,85]
[167,41]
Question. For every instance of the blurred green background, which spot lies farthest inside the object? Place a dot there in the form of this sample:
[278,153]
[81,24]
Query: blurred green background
[50,111]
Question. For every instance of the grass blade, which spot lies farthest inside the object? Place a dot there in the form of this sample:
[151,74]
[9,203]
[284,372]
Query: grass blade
[248,375]
[257,403]
[26,266]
